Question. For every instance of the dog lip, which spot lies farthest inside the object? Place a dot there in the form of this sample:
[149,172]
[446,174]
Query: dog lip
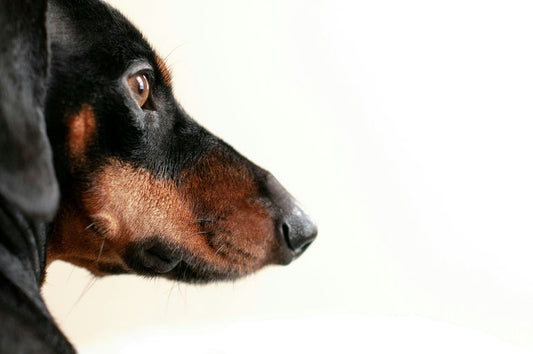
[293,255]
[158,260]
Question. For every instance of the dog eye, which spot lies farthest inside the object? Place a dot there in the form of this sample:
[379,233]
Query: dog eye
[140,88]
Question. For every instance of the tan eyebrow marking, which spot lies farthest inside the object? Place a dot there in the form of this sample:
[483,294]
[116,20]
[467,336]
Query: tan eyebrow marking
[167,77]
[81,127]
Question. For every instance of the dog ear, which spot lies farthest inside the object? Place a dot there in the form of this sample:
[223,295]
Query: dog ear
[27,178]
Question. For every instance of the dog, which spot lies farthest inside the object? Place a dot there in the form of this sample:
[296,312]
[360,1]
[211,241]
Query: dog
[101,167]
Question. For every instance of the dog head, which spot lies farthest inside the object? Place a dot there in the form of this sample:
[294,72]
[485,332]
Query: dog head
[145,189]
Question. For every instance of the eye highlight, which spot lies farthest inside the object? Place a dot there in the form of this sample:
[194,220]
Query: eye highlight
[140,88]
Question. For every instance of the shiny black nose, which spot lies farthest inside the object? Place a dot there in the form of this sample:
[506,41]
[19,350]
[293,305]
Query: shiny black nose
[298,229]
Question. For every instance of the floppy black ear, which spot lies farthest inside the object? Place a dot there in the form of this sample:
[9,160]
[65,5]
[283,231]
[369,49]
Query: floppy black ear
[27,177]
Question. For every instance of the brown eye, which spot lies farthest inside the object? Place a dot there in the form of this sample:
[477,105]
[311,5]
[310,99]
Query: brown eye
[140,88]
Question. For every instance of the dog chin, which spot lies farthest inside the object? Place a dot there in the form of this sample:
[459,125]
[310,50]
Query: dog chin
[152,258]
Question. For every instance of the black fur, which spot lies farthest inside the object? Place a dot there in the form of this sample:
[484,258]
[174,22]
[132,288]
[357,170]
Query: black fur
[93,47]
[82,55]
[94,50]
[28,188]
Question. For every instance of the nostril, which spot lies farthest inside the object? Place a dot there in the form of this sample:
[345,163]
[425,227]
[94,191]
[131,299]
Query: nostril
[285,228]
[298,231]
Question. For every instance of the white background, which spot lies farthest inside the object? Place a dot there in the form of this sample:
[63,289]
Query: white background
[404,127]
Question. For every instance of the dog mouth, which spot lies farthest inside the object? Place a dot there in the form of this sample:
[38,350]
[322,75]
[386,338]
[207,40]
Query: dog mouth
[159,258]
[155,258]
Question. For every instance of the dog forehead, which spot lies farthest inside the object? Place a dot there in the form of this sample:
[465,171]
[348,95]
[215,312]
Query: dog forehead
[98,33]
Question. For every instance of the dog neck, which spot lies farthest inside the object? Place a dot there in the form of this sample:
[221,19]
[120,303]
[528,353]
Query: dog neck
[22,269]
[22,251]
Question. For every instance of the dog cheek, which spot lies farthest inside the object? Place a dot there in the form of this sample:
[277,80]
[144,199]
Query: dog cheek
[134,205]
[106,224]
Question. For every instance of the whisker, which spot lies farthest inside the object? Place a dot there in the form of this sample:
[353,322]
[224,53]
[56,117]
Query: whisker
[101,249]
[205,220]
[197,233]
[196,256]
[70,274]
[85,290]
[172,51]
[184,270]
[168,297]
[220,248]
[186,237]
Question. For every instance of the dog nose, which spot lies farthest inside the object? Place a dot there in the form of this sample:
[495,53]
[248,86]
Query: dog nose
[295,227]
[298,229]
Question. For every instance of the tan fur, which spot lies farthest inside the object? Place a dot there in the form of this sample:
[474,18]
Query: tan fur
[81,127]
[164,71]
[125,204]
